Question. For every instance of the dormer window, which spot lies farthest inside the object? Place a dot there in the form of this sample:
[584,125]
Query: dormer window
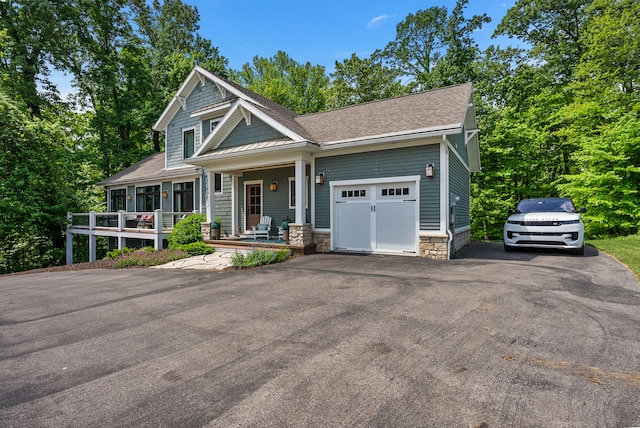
[188,142]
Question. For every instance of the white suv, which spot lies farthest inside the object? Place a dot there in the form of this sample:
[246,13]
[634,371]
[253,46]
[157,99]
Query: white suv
[545,223]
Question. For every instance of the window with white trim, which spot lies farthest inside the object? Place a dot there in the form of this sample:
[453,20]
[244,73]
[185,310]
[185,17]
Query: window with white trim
[292,192]
[188,142]
[217,179]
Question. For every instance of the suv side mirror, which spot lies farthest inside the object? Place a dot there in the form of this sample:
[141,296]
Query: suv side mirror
[582,210]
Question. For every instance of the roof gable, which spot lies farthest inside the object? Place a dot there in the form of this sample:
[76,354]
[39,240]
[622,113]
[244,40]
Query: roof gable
[245,110]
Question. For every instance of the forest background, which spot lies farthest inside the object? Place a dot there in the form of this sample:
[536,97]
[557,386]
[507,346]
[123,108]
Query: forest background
[556,118]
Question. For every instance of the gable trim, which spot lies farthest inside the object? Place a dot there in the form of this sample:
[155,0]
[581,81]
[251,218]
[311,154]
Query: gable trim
[242,110]
[197,75]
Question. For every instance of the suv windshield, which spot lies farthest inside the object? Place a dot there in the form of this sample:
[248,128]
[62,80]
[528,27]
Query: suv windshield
[546,205]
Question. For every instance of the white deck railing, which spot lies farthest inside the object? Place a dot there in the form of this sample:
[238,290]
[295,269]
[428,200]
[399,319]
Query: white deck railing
[122,225]
[158,221]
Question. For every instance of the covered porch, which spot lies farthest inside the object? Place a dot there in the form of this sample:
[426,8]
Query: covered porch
[274,183]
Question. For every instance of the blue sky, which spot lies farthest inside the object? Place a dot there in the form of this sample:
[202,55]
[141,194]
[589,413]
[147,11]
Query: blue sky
[320,32]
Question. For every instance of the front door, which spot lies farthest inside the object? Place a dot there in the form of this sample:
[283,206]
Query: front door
[253,204]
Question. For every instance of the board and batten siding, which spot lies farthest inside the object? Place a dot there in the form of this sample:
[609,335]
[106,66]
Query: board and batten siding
[200,97]
[246,134]
[379,164]
[459,184]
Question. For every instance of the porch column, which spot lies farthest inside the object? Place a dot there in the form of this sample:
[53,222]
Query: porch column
[210,195]
[300,170]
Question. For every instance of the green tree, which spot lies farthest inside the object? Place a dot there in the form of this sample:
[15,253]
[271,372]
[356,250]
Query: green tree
[553,29]
[36,188]
[434,49]
[300,87]
[358,81]
[609,180]
[38,33]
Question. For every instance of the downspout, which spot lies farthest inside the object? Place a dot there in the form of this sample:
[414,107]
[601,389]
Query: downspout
[445,176]
[449,242]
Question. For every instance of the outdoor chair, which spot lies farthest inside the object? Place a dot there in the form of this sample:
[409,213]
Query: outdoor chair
[145,221]
[263,228]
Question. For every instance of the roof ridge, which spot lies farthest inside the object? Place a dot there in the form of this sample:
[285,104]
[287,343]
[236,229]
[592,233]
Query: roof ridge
[384,100]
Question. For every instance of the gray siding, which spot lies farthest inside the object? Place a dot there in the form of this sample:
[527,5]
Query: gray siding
[247,134]
[200,97]
[222,206]
[459,184]
[166,204]
[384,163]
[131,205]
[274,204]
[457,141]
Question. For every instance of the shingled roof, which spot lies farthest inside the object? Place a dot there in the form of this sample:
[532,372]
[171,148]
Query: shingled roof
[149,168]
[438,109]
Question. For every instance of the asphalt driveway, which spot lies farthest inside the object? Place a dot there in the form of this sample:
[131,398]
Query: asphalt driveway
[488,339]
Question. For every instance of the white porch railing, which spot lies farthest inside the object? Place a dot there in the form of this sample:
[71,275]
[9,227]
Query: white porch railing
[156,226]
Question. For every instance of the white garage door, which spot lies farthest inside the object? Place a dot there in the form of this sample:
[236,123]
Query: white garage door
[380,217]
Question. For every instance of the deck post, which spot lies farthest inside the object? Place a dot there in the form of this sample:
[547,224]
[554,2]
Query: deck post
[69,248]
[92,237]
[157,224]
[92,248]
[121,221]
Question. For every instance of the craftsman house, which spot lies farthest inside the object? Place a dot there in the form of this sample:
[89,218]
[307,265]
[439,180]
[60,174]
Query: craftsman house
[389,176]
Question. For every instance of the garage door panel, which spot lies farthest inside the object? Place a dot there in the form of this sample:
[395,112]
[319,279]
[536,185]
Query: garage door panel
[395,226]
[353,229]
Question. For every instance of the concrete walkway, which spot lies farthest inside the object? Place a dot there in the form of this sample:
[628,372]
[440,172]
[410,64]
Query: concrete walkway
[219,260]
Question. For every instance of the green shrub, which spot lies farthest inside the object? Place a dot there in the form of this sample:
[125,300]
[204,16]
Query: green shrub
[258,258]
[114,254]
[146,258]
[195,248]
[186,231]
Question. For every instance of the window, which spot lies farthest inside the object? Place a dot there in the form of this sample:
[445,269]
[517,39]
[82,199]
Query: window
[147,198]
[183,197]
[217,183]
[395,191]
[188,142]
[292,192]
[118,200]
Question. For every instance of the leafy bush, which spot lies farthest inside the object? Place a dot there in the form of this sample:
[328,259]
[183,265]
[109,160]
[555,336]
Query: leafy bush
[114,254]
[195,248]
[186,231]
[146,258]
[259,257]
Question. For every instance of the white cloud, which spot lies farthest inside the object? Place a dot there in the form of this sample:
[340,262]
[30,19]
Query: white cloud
[377,20]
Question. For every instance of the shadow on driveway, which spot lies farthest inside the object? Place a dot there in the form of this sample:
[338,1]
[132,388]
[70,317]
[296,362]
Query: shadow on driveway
[495,251]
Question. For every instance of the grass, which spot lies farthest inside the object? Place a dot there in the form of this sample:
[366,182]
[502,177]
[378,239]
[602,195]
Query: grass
[625,248]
